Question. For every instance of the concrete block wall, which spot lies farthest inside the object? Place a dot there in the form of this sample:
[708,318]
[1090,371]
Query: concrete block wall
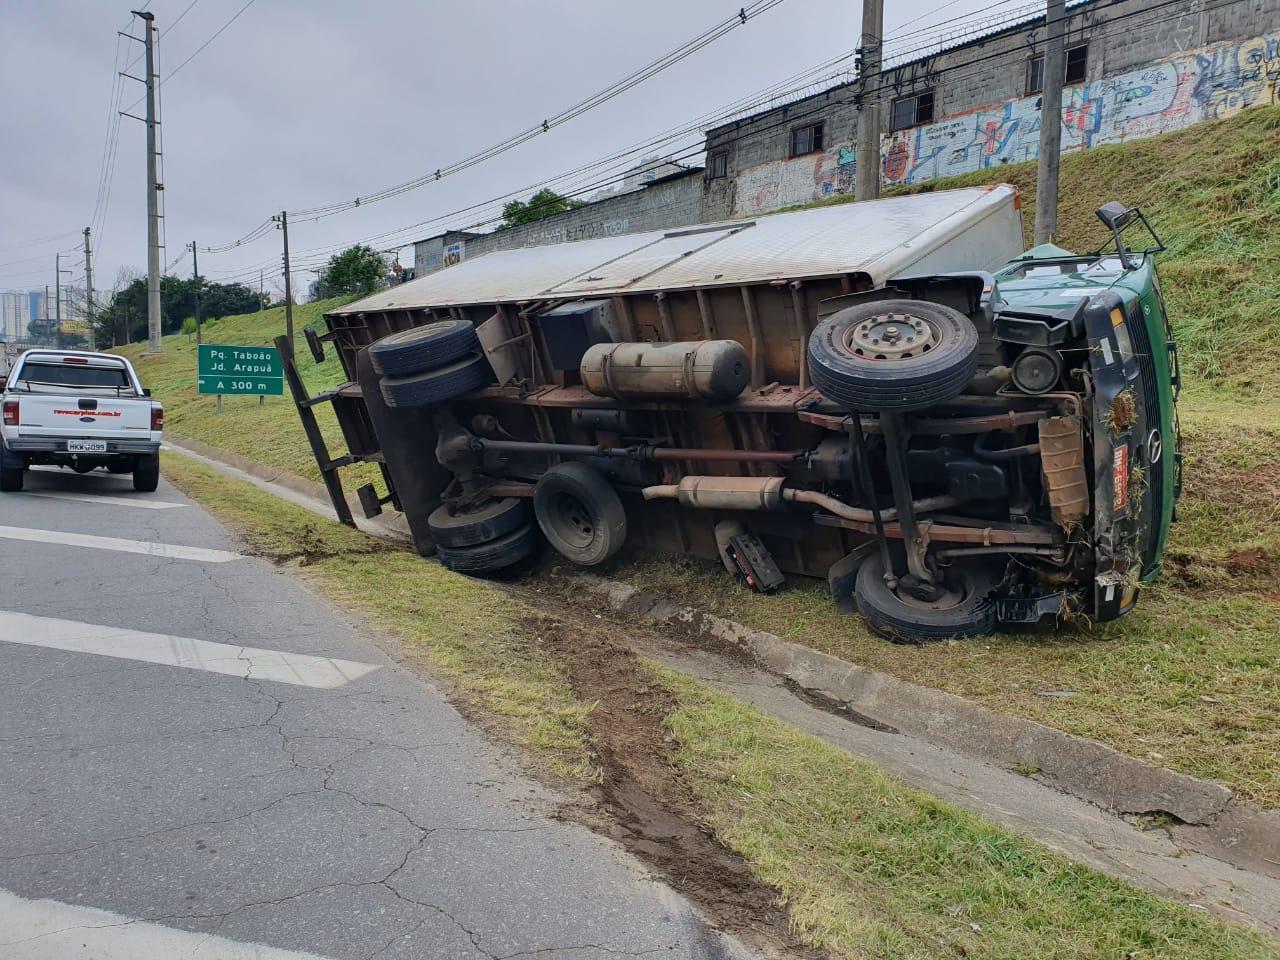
[674,201]
[1152,66]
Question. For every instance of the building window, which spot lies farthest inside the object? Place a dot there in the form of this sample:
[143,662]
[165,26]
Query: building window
[806,139]
[718,165]
[912,111]
[1075,68]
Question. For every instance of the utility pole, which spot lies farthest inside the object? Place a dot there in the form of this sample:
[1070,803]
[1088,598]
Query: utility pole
[1046,228]
[153,189]
[88,287]
[195,275]
[870,47]
[46,313]
[260,301]
[57,295]
[288,283]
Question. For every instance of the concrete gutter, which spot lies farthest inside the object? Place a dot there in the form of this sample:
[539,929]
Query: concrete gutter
[1211,821]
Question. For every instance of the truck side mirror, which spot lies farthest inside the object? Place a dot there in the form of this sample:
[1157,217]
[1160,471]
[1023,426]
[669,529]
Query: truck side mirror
[1114,215]
[146,391]
[1117,216]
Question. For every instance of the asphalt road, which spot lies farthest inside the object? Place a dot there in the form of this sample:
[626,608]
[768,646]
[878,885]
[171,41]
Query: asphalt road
[202,758]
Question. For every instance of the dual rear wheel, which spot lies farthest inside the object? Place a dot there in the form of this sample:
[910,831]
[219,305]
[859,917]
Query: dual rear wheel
[574,508]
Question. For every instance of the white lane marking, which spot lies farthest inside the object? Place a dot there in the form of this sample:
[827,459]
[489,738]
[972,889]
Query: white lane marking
[171,551]
[51,930]
[124,501]
[249,663]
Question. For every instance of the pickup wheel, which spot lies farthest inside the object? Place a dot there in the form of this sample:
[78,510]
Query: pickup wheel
[891,355]
[11,479]
[437,386]
[421,348]
[146,472]
[963,610]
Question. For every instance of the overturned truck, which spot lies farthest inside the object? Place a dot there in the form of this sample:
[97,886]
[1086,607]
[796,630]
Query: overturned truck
[890,395]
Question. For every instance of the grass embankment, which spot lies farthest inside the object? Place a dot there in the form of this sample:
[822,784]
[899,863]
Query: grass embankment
[867,867]
[1189,680]
[270,432]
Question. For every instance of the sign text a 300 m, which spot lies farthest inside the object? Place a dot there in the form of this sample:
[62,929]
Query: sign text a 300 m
[231,370]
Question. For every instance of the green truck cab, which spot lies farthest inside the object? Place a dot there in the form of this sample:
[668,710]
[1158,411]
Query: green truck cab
[1109,304]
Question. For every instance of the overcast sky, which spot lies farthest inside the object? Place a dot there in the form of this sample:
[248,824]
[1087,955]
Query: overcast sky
[301,103]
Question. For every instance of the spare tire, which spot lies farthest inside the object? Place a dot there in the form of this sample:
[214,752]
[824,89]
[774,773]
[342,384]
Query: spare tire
[421,348]
[892,355]
[437,386]
[479,524]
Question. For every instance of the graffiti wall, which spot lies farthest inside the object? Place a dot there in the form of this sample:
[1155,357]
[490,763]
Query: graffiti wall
[782,183]
[1212,82]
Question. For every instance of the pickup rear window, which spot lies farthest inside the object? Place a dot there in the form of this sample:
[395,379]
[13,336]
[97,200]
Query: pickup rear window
[76,375]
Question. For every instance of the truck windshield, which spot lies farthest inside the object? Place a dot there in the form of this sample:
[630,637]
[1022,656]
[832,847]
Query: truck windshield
[75,375]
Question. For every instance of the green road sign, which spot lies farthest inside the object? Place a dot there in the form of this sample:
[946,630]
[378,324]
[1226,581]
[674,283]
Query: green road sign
[226,370]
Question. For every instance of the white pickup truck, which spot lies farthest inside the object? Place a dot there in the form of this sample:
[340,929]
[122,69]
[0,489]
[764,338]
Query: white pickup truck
[79,410]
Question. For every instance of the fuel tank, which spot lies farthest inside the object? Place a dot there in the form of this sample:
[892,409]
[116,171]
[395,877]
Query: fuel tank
[699,370]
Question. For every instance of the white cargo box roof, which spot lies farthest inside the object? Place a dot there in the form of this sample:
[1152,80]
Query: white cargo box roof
[976,228]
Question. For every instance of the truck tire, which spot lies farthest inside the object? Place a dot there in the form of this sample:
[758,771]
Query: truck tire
[494,556]
[10,479]
[892,355]
[966,610]
[146,472]
[421,348]
[437,386]
[488,521]
[580,513]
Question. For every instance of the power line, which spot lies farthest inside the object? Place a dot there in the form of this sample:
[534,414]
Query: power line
[773,92]
[688,48]
[217,33]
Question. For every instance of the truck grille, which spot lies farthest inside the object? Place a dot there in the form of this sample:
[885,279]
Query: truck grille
[1151,419]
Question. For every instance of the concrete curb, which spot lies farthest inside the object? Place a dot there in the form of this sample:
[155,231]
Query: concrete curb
[1080,767]
[305,491]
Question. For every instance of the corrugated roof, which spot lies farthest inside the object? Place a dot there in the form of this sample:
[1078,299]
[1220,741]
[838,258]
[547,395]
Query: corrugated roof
[880,238]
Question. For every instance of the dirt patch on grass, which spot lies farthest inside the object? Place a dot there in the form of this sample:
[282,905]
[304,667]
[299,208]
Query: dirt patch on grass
[641,799]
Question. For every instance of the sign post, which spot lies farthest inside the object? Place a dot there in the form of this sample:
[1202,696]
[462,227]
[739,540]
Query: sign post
[238,371]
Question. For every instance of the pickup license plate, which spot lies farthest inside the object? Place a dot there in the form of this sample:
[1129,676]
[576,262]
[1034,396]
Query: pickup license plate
[86,446]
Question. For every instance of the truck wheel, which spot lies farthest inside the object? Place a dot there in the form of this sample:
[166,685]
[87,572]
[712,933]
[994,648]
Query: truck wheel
[488,521]
[11,479]
[146,472]
[494,556]
[437,386]
[964,610]
[580,513]
[421,348]
[893,355]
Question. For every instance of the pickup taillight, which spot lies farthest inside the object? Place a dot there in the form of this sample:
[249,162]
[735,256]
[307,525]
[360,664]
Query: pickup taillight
[157,417]
[11,413]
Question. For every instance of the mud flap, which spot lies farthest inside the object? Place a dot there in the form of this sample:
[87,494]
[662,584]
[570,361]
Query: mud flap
[408,441]
[843,575]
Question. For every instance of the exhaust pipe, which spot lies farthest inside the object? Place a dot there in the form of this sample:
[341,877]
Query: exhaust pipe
[767,493]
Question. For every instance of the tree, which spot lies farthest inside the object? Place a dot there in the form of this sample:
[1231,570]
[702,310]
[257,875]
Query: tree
[123,318]
[357,269]
[544,203]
